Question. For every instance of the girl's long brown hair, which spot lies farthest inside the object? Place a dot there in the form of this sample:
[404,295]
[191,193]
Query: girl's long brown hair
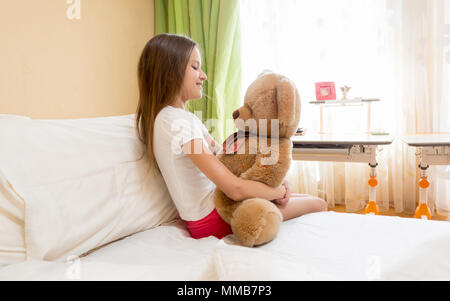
[161,70]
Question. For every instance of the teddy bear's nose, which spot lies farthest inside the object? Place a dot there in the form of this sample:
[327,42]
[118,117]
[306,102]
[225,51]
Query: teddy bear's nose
[236,114]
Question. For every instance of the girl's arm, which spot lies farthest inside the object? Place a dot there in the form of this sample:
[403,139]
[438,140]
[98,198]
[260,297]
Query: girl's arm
[234,187]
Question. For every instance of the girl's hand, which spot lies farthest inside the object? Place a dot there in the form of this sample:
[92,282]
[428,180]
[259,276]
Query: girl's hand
[283,201]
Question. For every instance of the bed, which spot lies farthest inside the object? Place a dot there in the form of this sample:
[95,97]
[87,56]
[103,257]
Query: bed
[78,202]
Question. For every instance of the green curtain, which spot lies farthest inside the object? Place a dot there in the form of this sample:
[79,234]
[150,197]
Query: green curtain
[214,25]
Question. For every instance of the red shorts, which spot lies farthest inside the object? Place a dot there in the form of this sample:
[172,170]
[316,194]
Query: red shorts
[212,224]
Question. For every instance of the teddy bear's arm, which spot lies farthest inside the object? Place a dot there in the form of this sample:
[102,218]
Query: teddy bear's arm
[271,167]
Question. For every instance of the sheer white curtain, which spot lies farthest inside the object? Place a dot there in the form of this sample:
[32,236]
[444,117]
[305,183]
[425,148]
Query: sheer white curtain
[395,50]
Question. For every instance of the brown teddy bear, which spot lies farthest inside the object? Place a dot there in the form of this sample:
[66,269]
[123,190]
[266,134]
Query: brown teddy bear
[260,151]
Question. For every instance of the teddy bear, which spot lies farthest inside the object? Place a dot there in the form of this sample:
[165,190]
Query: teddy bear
[261,151]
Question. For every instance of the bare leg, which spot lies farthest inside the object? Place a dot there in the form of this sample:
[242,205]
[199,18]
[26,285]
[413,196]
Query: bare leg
[300,204]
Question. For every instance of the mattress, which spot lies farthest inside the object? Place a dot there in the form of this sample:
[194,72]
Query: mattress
[317,246]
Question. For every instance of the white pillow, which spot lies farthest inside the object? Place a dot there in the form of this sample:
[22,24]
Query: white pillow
[12,245]
[10,116]
[84,183]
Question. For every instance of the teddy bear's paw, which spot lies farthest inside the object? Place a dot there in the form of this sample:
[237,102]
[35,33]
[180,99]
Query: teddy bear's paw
[255,222]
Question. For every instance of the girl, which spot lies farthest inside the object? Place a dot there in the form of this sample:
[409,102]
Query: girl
[169,75]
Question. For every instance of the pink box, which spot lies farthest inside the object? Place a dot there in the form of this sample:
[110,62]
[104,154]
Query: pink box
[325,91]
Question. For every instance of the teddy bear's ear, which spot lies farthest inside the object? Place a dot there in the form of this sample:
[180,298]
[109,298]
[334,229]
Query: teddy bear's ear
[288,101]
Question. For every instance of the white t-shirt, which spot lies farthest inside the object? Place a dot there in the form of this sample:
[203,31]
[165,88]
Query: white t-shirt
[191,191]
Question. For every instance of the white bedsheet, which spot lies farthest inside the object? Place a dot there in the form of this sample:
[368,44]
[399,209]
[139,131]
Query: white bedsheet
[318,246]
